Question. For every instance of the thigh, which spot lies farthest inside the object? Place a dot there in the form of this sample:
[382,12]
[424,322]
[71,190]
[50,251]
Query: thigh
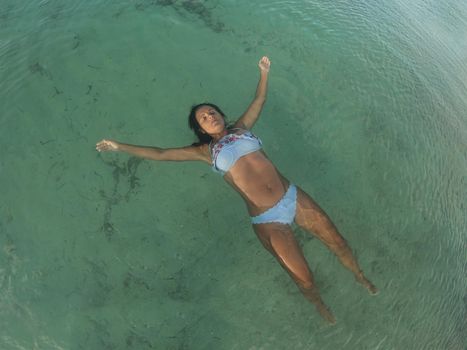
[313,219]
[280,241]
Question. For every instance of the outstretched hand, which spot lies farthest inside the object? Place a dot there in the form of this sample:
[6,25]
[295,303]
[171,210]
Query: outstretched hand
[107,145]
[264,64]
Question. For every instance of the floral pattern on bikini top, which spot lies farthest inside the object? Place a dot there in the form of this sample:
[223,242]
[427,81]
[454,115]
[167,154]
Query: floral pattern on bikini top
[228,140]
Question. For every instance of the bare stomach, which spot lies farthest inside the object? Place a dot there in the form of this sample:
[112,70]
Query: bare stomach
[258,181]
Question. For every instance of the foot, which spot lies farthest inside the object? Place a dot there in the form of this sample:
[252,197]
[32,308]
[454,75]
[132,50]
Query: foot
[367,284]
[325,313]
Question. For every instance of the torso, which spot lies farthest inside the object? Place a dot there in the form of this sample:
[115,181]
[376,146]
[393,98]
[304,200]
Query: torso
[256,179]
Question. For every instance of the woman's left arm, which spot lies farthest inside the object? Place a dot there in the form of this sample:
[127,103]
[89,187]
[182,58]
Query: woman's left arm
[249,118]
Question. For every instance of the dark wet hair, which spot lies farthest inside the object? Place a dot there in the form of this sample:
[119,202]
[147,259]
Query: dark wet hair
[203,138]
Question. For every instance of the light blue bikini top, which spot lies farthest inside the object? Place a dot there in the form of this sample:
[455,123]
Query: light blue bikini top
[231,147]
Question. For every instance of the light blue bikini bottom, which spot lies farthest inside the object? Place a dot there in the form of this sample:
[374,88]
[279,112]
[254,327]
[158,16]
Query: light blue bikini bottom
[283,212]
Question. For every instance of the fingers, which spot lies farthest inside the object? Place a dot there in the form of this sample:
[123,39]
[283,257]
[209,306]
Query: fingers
[105,145]
[264,63]
[265,59]
[100,146]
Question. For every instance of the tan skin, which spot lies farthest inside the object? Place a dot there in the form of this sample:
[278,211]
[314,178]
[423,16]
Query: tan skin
[261,186]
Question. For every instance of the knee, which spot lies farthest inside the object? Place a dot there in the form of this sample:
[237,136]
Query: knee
[307,285]
[339,242]
[304,282]
[340,247]
[309,290]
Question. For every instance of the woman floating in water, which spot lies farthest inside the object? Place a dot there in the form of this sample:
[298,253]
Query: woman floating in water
[272,201]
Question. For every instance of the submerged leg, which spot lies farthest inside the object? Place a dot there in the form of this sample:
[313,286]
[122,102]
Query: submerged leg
[313,219]
[279,240]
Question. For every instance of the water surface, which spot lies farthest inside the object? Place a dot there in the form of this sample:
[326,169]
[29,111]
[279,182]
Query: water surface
[366,112]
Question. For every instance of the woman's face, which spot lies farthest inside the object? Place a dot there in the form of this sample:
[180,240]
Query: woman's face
[210,120]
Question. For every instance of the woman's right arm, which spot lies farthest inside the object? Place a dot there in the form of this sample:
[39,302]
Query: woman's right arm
[156,153]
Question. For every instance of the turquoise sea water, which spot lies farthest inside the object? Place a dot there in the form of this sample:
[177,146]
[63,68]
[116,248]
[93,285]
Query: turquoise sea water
[366,111]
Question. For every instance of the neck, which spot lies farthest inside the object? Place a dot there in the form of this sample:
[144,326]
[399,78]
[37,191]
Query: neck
[216,137]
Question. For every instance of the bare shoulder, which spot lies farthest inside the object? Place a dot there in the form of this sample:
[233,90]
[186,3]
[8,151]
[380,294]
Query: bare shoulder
[201,151]
[204,152]
[239,125]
